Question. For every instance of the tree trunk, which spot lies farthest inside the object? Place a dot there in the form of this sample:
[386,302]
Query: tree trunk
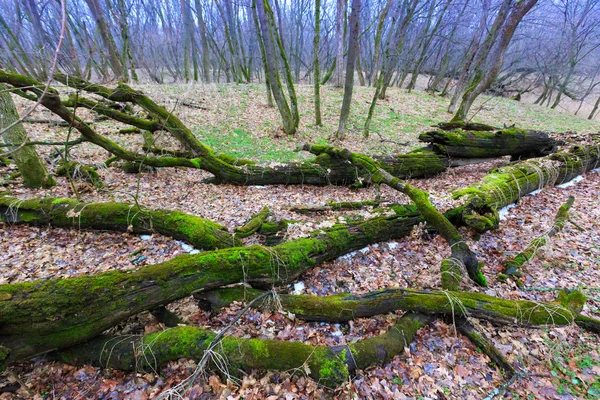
[515,142]
[28,161]
[121,217]
[36,317]
[351,58]
[317,72]
[339,35]
[329,366]
[508,184]
[289,124]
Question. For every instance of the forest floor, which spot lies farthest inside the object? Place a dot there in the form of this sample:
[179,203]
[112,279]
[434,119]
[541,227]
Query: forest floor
[556,362]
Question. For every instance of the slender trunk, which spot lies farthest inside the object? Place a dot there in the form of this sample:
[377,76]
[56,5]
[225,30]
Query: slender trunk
[349,84]
[339,34]
[595,109]
[107,38]
[204,41]
[28,161]
[289,125]
[317,71]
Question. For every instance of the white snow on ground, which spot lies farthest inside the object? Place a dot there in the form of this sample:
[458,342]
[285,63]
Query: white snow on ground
[187,248]
[299,287]
[571,182]
[534,192]
[504,210]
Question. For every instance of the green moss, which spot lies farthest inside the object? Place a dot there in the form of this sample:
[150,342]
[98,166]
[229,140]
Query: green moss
[333,370]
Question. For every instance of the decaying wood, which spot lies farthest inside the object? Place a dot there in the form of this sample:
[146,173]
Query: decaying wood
[514,264]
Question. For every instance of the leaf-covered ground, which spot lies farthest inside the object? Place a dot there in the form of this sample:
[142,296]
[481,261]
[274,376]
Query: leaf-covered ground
[557,363]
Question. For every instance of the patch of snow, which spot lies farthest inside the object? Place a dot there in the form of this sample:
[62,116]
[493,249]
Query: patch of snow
[504,210]
[348,256]
[535,192]
[572,182]
[392,245]
[258,187]
[187,248]
[337,333]
[299,288]
[145,237]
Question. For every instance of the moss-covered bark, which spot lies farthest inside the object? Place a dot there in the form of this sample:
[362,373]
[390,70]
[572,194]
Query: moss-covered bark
[508,184]
[77,171]
[378,175]
[330,366]
[122,217]
[478,144]
[28,161]
[42,315]
[345,306]
[514,264]
[255,223]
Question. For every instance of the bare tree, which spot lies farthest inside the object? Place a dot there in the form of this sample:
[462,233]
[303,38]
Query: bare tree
[349,83]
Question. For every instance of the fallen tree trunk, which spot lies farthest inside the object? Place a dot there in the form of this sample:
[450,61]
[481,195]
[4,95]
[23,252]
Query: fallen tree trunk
[514,264]
[476,144]
[121,217]
[39,316]
[460,250]
[322,171]
[508,184]
[345,306]
[330,366]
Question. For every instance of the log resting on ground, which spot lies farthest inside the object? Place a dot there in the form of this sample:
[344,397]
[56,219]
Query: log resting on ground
[460,250]
[514,264]
[121,217]
[344,307]
[39,316]
[476,144]
[322,171]
[508,184]
[330,366]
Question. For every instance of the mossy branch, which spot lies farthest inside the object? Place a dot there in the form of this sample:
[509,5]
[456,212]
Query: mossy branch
[345,306]
[513,266]
[378,175]
[122,217]
[329,366]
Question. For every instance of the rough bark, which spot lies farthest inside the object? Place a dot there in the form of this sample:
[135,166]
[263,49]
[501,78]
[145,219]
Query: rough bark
[344,307]
[28,161]
[330,366]
[508,184]
[36,317]
[470,144]
[121,217]
[515,263]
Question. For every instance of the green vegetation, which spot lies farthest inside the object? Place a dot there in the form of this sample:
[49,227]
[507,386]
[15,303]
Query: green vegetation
[237,119]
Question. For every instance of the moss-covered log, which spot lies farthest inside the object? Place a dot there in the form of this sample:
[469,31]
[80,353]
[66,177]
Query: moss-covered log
[330,366]
[254,224]
[478,144]
[467,126]
[514,264]
[345,306]
[460,250]
[484,344]
[80,172]
[508,184]
[122,217]
[52,314]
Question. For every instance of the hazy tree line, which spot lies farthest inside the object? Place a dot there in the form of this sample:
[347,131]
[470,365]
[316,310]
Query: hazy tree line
[462,47]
